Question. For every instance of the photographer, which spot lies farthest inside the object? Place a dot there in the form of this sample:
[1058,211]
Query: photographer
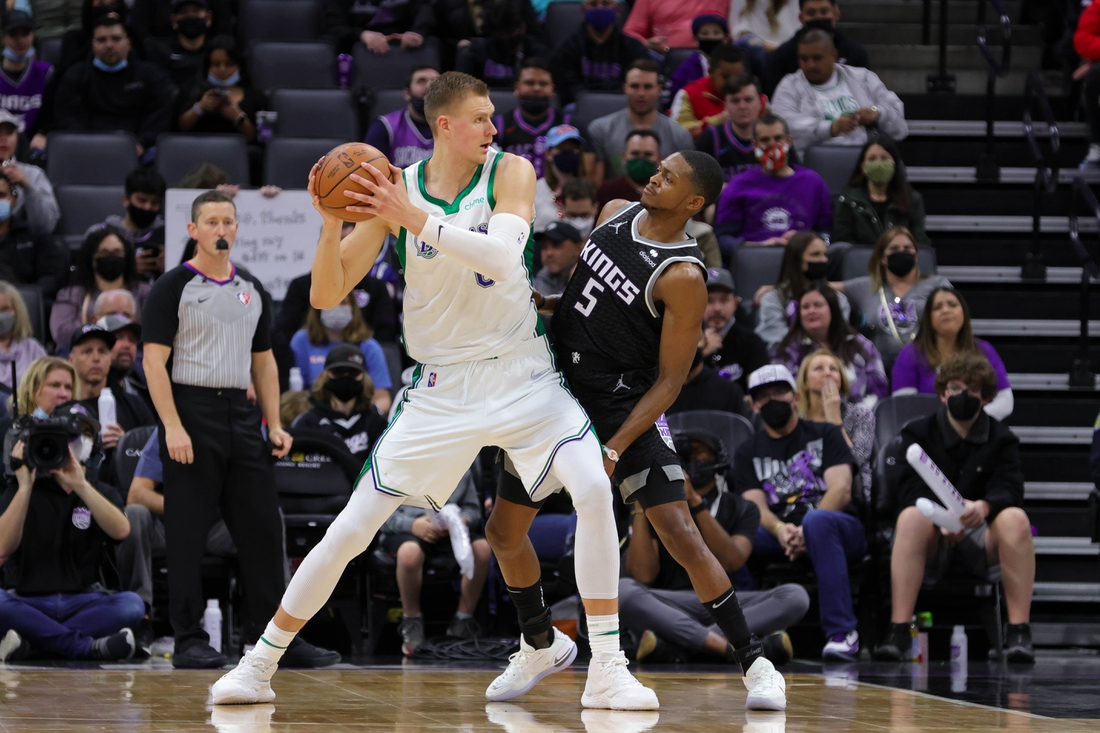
[52,529]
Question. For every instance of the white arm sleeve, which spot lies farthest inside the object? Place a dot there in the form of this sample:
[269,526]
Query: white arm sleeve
[494,255]
[1001,405]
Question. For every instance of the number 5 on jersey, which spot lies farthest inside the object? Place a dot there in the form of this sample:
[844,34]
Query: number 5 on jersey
[589,296]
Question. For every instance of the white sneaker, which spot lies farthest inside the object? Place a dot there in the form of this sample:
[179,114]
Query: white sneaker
[619,721]
[529,665]
[248,683]
[610,685]
[767,688]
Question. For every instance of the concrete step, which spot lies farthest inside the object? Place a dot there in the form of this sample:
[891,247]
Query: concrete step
[1007,275]
[1066,546]
[967,81]
[899,11]
[1032,382]
[927,58]
[1015,176]
[1071,592]
[1056,490]
[1008,224]
[962,34]
[1031,327]
[1001,128]
[1057,633]
[1031,435]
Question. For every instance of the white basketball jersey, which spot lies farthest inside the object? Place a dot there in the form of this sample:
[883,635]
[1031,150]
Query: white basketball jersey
[451,313]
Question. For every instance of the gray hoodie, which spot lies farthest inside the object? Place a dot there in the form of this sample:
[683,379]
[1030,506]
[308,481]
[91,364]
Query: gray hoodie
[38,199]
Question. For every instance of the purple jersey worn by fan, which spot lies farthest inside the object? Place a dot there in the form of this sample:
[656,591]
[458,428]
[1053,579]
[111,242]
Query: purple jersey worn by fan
[756,206]
[403,140]
[519,137]
[23,97]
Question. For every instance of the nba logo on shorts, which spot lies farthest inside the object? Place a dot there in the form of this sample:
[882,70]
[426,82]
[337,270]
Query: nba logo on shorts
[431,379]
[245,298]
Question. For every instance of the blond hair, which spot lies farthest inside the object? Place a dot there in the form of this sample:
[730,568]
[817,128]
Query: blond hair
[449,89]
[30,384]
[803,380]
[22,326]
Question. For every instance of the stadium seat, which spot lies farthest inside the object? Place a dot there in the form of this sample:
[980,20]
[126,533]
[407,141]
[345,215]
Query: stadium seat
[84,206]
[178,154]
[593,105]
[36,310]
[504,101]
[753,267]
[126,456]
[733,430]
[277,20]
[91,158]
[49,50]
[279,65]
[562,20]
[384,101]
[318,113]
[392,70]
[674,58]
[834,163]
[892,413]
[288,160]
[857,258]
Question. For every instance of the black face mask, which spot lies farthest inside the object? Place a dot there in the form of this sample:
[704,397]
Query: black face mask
[568,162]
[963,406]
[534,105]
[344,388]
[901,263]
[191,28]
[776,414]
[142,218]
[110,267]
[707,46]
[816,270]
[700,473]
[417,105]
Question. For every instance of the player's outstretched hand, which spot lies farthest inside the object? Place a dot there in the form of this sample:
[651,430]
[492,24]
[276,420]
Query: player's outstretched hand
[326,215]
[387,200]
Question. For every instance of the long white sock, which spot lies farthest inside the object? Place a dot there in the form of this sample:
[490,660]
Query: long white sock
[603,633]
[273,642]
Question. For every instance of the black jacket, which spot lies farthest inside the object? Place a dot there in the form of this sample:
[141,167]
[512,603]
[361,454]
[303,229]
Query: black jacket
[474,58]
[577,61]
[152,18]
[342,21]
[984,465]
[784,60]
[358,432]
[175,60]
[31,260]
[452,22]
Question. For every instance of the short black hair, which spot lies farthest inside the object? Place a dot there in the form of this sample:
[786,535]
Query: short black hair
[728,53]
[209,197]
[802,3]
[535,62]
[109,20]
[640,132]
[647,65]
[416,70]
[576,189]
[739,82]
[229,45]
[145,180]
[770,118]
[706,174]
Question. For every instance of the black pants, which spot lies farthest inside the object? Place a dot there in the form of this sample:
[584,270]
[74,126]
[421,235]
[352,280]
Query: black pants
[1092,103]
[232,471]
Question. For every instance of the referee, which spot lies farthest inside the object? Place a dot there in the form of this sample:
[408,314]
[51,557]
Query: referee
[207,335]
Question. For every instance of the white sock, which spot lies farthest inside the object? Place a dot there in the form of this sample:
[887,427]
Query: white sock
[603,633]
[273,642]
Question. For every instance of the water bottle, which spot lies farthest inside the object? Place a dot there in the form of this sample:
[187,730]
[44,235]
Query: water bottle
[924,625]
[266,122]
[212,623]
[296,383]
[960,650]
[107,412]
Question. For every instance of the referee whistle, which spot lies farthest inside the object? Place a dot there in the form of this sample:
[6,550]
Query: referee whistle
[222,244]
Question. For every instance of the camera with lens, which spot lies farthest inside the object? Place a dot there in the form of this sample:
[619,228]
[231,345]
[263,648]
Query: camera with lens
[46,441]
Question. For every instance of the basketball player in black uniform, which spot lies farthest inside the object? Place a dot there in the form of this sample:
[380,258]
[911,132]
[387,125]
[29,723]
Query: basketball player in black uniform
[625,331]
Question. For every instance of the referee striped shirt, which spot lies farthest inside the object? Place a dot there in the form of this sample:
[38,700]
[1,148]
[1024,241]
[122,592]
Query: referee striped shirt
[213,327]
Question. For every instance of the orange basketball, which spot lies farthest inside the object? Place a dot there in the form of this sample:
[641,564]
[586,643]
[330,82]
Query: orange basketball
[335,177]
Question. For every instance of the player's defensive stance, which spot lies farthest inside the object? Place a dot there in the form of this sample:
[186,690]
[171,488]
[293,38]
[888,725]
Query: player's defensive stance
[487,377]
[625,331]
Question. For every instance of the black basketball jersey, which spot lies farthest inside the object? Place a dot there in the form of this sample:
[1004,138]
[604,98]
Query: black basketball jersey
[607,309]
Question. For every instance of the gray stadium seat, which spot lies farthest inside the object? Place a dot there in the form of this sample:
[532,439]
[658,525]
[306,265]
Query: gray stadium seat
[392,70]
[753,267]
[279,65]
[674,58]
[36,309]
[733,430]
[91,158]
[84,206]
[287,160]
[834,163]
[562,20]
[49,50]
[178,154]
[316,113]
[593,105]
[856,259]
[384,101]
[128,453]
[892,413]
[505,102]
[277,20]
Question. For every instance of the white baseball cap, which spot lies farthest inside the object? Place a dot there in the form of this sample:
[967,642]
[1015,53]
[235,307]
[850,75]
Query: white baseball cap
[771,374]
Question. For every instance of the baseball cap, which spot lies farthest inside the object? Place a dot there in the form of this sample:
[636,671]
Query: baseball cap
[720,277]
[78,410]
[92,331]
[117,322]
[701,20]
[17,19]
[7,118]
[346,356]
[560,231]
[557,135]
[771,374]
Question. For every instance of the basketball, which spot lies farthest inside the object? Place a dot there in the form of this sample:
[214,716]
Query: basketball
[335,177]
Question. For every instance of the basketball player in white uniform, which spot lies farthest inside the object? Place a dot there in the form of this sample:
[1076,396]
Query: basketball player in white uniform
[487,377]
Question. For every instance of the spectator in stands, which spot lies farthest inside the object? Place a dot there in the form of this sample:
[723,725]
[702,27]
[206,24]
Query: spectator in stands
[370,295]
[143,225]
[893,295]
[641,156]
[559,250]
[34,196]
[710,31]
[181,55]
[830,103]
[819,323]
[125,374]
[813,15]
[105,262]
[26,258]
[223,100]
[945,331]
[525,132]
[53,527]
[597,56]
[153,19]
[115,92]
[730,347]
[731,143]
[508,46]
[17,342]
[376,23]
[656,600]
[403,135]
[700,105]
[56,17]
[805,261]
[706,241]
[76,44]
[1086,41]
[608,133]
[878,197]
[563,161]
[342,396]
[706,389]
[759,26]
[770,203]
[410,538]
[663,25]
[90,355]
[799,474]
[25,78]
[341,324]
[823,392]
[981,458]
[577,205]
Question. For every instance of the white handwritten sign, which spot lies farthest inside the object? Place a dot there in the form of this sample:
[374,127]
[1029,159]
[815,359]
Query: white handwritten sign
[275,241]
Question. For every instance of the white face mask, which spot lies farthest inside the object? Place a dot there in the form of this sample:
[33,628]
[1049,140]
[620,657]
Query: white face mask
[82,448]
[336,318]
[583,224]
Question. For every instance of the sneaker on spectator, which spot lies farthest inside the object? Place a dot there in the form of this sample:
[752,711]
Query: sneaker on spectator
[1092,159]
[897,646]
[778,648]
[463,628]
[198,656]
[13,647]
[842,648]
[1018,647]
[143,637]
[115,647]
[654,649]
[412,634]
[767,688]
[303,655]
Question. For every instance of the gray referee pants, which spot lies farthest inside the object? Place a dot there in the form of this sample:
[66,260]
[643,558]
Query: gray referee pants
[678,617]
